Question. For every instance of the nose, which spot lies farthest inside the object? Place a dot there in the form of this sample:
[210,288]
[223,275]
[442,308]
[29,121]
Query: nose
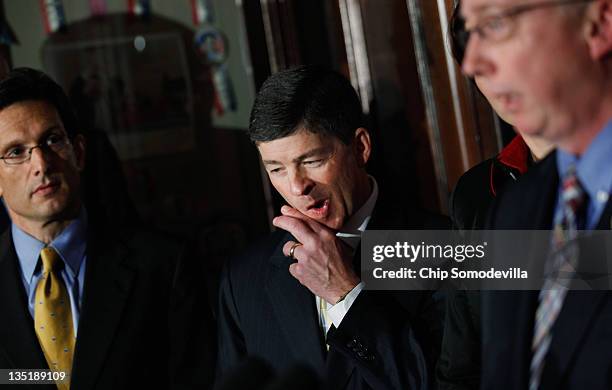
[300,183]
[475,62]
[39,161]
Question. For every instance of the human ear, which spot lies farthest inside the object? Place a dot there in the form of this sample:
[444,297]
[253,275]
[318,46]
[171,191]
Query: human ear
[78,145]
[362,145]
[599,29]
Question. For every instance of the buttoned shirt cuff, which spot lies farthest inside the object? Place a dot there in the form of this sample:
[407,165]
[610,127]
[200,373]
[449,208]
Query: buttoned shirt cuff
[337,312]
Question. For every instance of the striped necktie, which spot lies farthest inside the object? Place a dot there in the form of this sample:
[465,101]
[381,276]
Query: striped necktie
[560,269]
[53,316]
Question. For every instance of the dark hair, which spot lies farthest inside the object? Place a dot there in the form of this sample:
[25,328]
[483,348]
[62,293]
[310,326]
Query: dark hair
[458,34]
[310,97]
[23,84]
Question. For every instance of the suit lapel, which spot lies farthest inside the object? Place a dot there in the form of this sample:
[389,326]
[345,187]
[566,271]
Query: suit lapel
[18,339]
[107,286]
[339,369]
[294,307]
[507,320]
[575,320]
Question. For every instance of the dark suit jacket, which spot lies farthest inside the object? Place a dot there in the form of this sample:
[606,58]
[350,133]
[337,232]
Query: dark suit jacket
[459,367]
[144,321]
[387,340]
[4,218]
[580,355]
[477,188]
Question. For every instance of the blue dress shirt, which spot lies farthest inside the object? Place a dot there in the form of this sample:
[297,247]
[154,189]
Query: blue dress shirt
[594,170]
[70,245]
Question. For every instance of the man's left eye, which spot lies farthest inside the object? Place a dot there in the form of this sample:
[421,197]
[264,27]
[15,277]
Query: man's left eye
[496,24]
[312,162]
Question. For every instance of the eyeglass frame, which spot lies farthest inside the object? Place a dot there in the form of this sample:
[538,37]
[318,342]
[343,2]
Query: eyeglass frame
[43,146]
[463,36]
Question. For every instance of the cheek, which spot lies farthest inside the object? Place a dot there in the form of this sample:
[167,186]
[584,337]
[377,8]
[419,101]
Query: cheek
[538,72]
[281,186]
[343,184]
[334,174]
[13,192]
[71,172]
[73,177]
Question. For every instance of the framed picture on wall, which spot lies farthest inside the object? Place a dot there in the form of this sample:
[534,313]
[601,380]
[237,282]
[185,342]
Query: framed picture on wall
[136,88]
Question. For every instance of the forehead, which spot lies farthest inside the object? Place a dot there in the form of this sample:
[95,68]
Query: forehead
[476,7]
[296,145]
[27,119]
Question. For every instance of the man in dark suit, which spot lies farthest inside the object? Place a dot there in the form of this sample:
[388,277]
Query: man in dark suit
[551,65]
[297,297]
[113,309]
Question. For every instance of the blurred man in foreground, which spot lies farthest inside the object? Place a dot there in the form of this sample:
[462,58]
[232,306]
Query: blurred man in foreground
[549,64]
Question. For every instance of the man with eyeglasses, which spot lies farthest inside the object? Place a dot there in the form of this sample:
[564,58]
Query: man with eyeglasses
[549,64]
[99,306]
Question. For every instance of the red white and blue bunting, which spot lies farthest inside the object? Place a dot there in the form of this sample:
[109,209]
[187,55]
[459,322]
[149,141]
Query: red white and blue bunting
[212,46]
[54,18]
[139,8]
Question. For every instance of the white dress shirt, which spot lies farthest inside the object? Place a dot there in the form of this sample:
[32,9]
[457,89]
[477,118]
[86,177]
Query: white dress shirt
[350,233]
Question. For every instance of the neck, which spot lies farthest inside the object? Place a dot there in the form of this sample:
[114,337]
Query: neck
[44,231]
[539,148]
[364,190]
[578,143]
[589,123]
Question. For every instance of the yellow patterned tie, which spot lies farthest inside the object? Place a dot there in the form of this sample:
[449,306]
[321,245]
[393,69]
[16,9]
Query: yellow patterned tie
[53,316]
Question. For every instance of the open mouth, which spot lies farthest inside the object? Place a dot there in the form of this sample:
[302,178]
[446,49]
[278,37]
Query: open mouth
[319,209]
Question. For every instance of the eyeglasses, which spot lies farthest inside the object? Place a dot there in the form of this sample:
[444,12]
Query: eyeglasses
[498,27]
[55,143]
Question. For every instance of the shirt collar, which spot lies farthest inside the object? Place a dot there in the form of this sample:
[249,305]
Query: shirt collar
[592,167]
[515,155]
[358,222]
[70,244]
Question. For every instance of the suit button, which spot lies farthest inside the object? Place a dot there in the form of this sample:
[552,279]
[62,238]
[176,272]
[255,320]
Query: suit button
[352,344]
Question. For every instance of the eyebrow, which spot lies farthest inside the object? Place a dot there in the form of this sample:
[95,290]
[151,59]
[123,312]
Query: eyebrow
[481,9]
[17,141]
[302,157]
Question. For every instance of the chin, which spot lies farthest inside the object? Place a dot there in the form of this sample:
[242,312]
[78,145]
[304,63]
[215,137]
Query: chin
[334,223]
[526,126]
[55,208]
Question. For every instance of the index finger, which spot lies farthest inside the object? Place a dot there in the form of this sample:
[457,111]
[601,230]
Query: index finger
[300,229]
[295,213]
